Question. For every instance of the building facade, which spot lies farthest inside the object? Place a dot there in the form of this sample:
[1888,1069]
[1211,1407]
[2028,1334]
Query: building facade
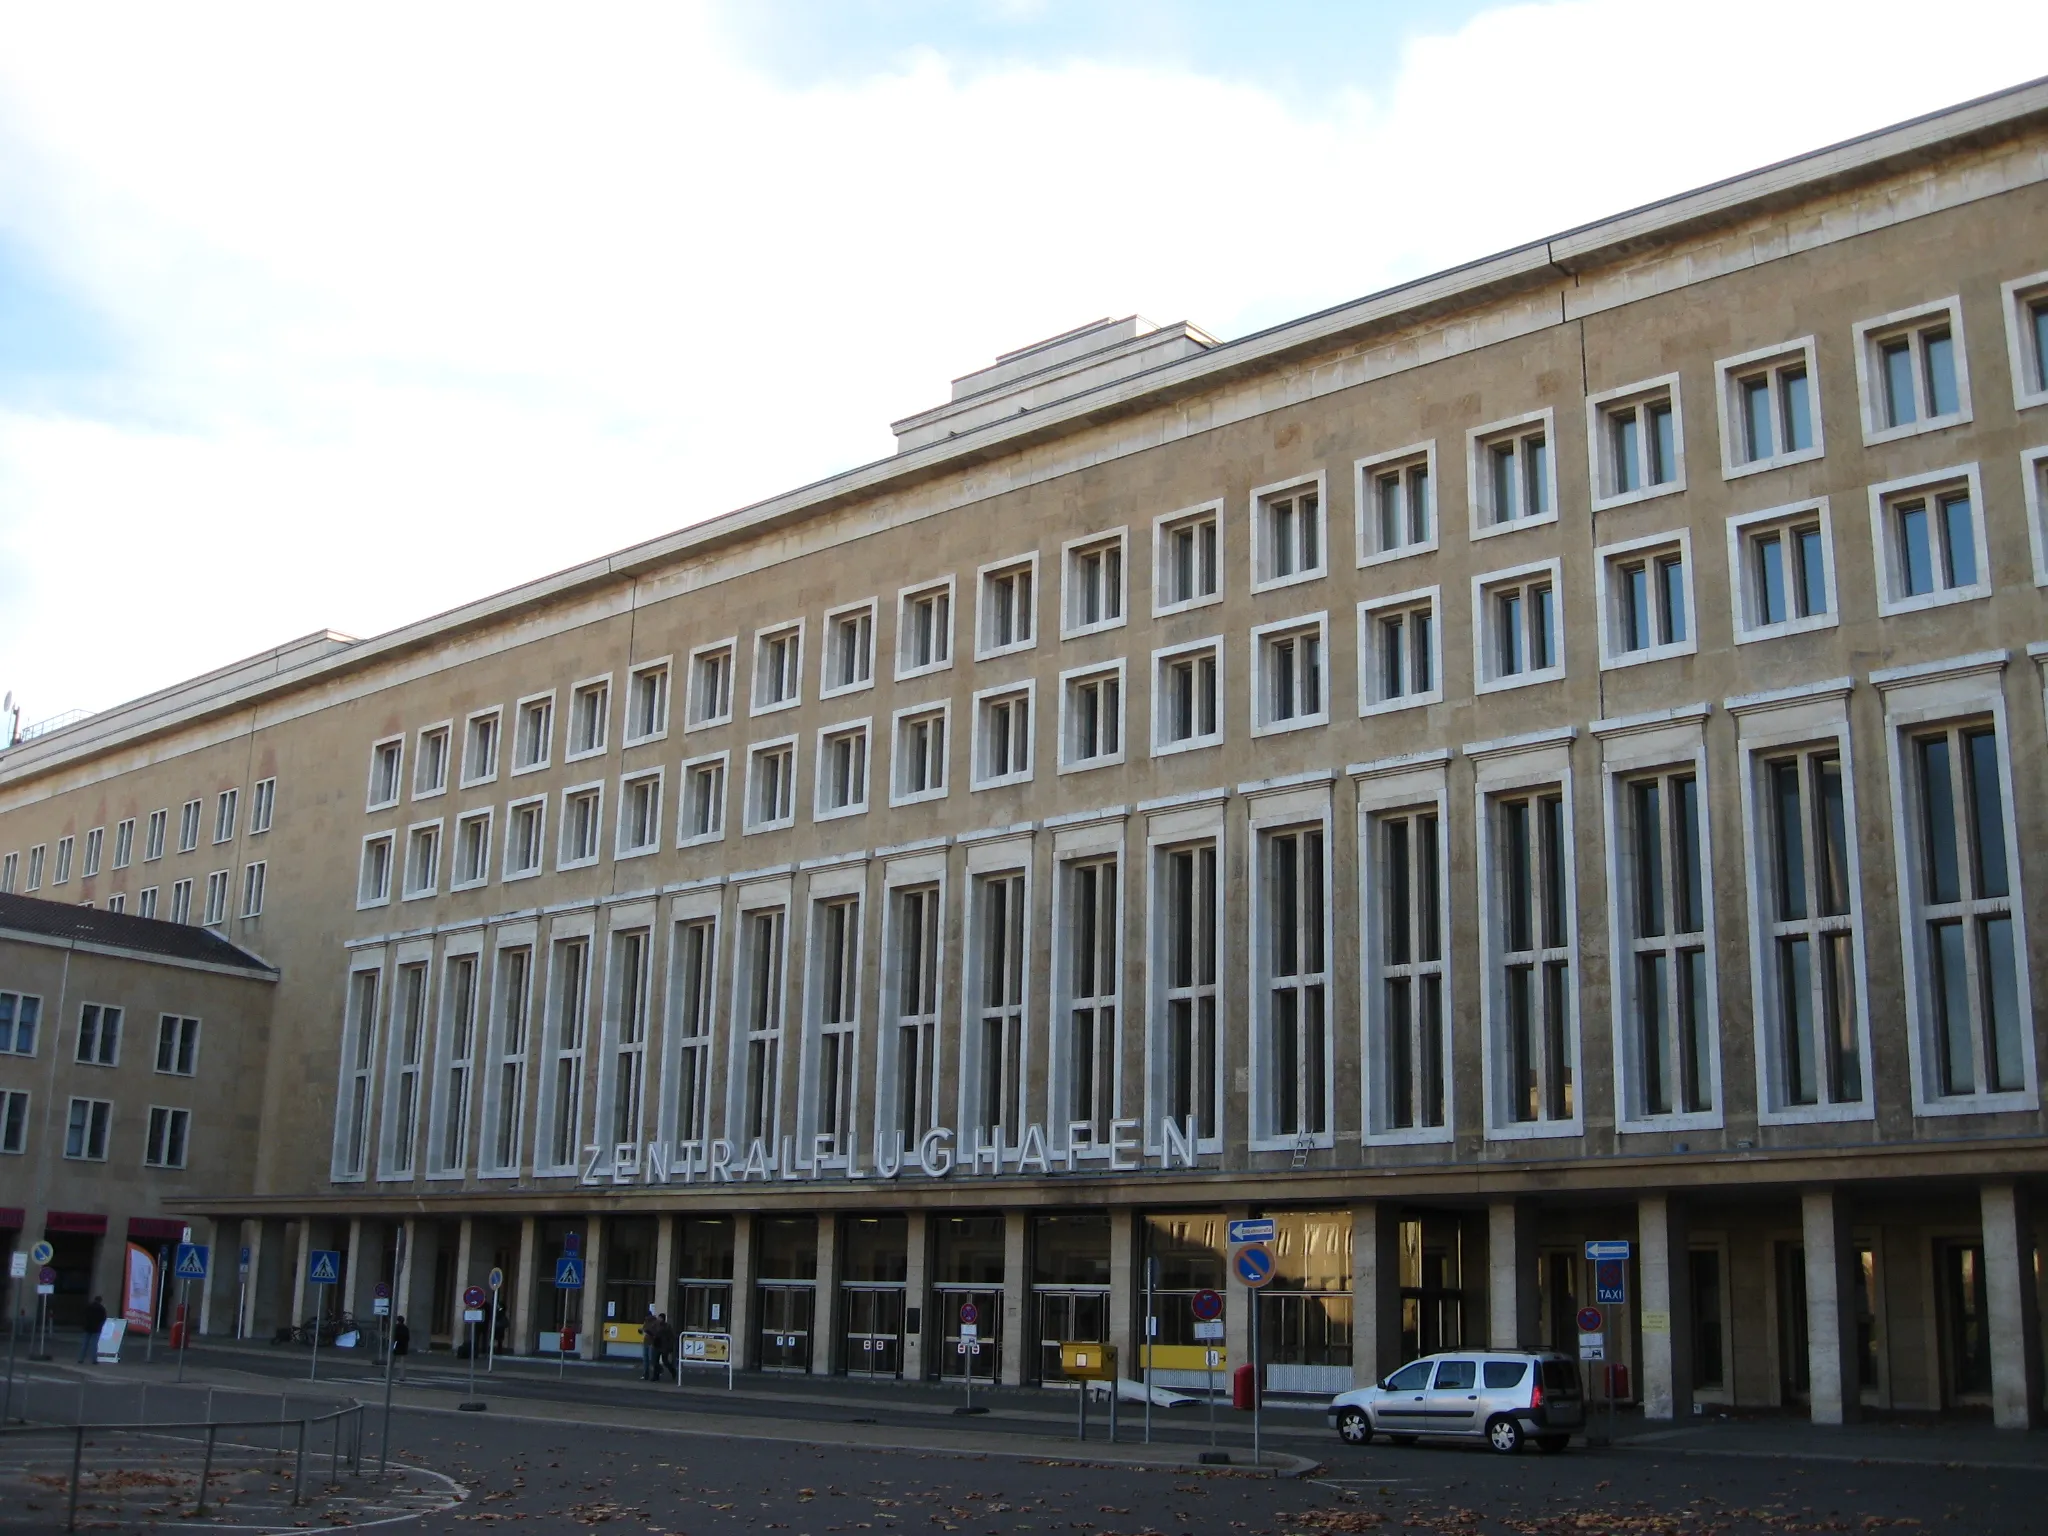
[1536,755]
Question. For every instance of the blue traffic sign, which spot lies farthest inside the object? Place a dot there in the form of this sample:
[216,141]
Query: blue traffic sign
[1610,1282]
[1208,1306]
[1607,1248]
[569,1273]
[1257,1230]
[1253,1265]
[323,1267]
[192,1261]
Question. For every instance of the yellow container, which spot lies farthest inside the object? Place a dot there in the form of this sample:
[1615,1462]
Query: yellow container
[1087,1361]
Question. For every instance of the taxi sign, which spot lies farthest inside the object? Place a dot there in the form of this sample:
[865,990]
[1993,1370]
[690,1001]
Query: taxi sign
[1253,1265]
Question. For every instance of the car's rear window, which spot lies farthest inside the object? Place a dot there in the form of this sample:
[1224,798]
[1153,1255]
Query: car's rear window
[1457,1374]
[1561,1376]
[1505,1373]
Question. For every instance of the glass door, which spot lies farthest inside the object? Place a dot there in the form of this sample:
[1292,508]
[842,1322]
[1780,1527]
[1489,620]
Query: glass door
[1965,1323]
[1793,1381]
[1068,1316]
[785,1327]
[871,1336]
[954,1363]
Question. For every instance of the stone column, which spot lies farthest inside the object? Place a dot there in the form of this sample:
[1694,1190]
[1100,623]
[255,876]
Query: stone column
[916,1291]
[1016,1295]
[1834,1396]
[353,1292]
[523,1285]
[665,1265]
[1511,1274]
[825,1297]
[1375,1291]
[1666,1313]
[200,1323]
[740,1315]
[465,1256]
[304,1249]
[590,1342]
[1126,1294]
[2013,1302]
[249,1287]
[401,1283]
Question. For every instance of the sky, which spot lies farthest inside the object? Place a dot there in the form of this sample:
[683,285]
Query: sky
[338,317]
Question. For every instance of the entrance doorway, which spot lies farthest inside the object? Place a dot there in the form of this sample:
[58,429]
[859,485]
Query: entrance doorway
[1794,1383]
[1966,1330]
[871,1334]
[1068,1313]
[954,1363]
[785,1312]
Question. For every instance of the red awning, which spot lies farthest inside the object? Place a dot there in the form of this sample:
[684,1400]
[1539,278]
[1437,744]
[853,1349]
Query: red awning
[12,1216]
[73,1221]
[160,1227]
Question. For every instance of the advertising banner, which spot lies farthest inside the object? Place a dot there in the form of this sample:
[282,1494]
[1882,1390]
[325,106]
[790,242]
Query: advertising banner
[138,1293]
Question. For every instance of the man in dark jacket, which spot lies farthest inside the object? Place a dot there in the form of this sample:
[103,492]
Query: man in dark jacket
[95,1320]
[401,1346]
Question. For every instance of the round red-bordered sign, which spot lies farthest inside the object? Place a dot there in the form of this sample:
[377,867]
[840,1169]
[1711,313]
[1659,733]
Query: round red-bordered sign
[1208,1306]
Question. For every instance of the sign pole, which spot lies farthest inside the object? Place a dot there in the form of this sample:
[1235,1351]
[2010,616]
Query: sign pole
[472,1314]
[156,1306]
[185,1330]
[319,1308]
[1258,1395]
[491,1365]
[397,1273]
[1151,1333]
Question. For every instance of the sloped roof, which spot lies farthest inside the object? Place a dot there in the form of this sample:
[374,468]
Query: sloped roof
[69,924]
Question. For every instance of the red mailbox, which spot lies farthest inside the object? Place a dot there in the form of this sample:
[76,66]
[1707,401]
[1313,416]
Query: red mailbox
[1244,1388]
[1617,1382]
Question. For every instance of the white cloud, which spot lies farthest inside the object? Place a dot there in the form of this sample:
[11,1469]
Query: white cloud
[414,303]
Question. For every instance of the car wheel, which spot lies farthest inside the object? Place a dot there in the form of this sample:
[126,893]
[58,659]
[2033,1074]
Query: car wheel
[1504,1435]
[1550,1445]
[1353,1427]
[1400,1439]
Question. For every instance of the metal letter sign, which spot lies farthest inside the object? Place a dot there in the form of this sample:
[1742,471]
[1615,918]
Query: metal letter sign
[1260,1230]
[323,1267]
[569,1273]
[192,1261]
[1253,1264]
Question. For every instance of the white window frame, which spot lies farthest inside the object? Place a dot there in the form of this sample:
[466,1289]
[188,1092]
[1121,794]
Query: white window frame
[36,856]
[821,810]
[1281,815]
[95,841]
[1028,691]
[686,779]
[628,783]
[227,811]
[1163,529]
[1870,335]
[908,597]
[371,802]
[690,1018]
[1485,636]
[1168,833]
[899,721]
[1366,475]
[1371,672]
[1607,561]
[994,861]
[1098,847]
[255,876]
[582,688]
[456,1060]
[1743,531]
[61,875]
[763,636]
[157,1137]
[566,1011]
[124,836]
[177,1042]
[926,877]
[1729,373]
[2029,367]
[1885,553]
[592,787]
[145,901]
[193,811]
[2034,475]
[1069,681]
[828,647]
[839,889]
[521,709]
[984,615]
[1601,411]
[1257,551]
[496,716]
[16,1119]
[445,729]
[1399,790]
[749,822]
[1162,660]
[262,805]
[158,833]
[468,819]
[106,1020]
[391,879]
[661,668]
[693,717]
[772,897]
[1072,551]
[1479,441]
[217,892]
[181,900]
[1263,635]
[409,890]
[100,1111]
[508,871]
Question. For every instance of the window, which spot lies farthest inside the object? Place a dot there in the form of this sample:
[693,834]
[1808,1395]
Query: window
[145,902]
[703,809]
[2026,337]
[254,876]
[1091,971]
[430,762]
[627,1124]
[1002,736]
[93,841]
[533,748]
[20,1013]
[8,868]
[1912,371]
[1293,979]
[1809,902]
[924,629]
[761,1016]
[1009,607]
[480,748]
[998,1075]
[1187,696]
[262,806]
[710,685]
[99,1035]
[177,1045]
[1287,534]
[1663,891]
[647,702]
[1094,572]
[118,902]
[181,901]
[1531,988]
[842,771]
[1191,1061]
[224,815]
[13,1121]
[153,845]
[582,823]
[1929,535]
[570,1004]
[373,884]
[920,756]
[849,660]
[124,836]
[506,1096]
[402,1119]
[1646,612]
[640,813]
[422,859]
[1783,564]
[1512,475]
[36,856]
[1971,990]
[836,925]
[1637,442]
[1770,408]
[387,763]
[778,668]
[1400,654]
[525,836]
[1092,727]
[1406,1005]
[1516,635]
[1187,559]
[590,710]
[2034,471]
[911,1108]
[169,1130]
[771,785]
[188,827]
[85,1131]
[1288,688]
[472,865]
[450,1138]
[691,1002]
[1397,504]
[63,874]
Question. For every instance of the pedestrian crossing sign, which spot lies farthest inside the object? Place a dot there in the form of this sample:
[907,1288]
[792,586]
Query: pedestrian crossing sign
[569,1273]
[192,1259]
[323,1267]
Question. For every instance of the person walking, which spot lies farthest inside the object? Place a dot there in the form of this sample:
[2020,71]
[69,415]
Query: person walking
[665,1363]
[401,1346]
[95,1320]
[650,1344]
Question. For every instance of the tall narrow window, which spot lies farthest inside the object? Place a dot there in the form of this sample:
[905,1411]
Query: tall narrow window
[93,841]
[778,662]
[1287,536]
[711,685]
[842,771]
[1192,1059]
[386,758]
[838,971]
[582,820]
[480,748]
[690,1002]
[1289,676]
[771,790]
[459,1042]
[924,639]
[640,813]
[1406,1061]
[534,746]
[629,1039]
[920,754]
[153,844]
[1671,1024]
[999,1010]
[411,1026]
[188,824]
[760,1111]
[1002,748]
[1812,907]
[1533,917]
[565,1101]
[703,799]
[1095,584]
[916,1029]
[359,1055]
[515,990]
[590,710]
[1093,986]
[1296,977]
[647,702]
[124,835]
[1094,710]
[525,837]
[1009,607]
[849,649]
[429,764]
[1188,556]
[1188,697]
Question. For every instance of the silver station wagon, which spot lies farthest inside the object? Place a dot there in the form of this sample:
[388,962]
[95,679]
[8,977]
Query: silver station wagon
[1504,1396]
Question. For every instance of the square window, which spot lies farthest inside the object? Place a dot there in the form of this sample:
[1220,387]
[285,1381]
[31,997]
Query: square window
[1912,371]
[188,825]
[1091,717]
[422,859]
[1187,696]
[1093,571]
[582,826]
[924,629]
[533,745]
[919,761]
[2034,475]
[1288,543]
[254,877]
[153,846]
[1783,561]
[1002,736]
[36,856]
[124,835]
[63,874]
[590,708]
[1646,611]
[20,1014]
[430,761]
[99,1035]
[169,1130]
[526,824]
[480,747]
[1397,504]
[387,761]
[1636,442]
[262,806]
[778,667]
[1517,638]
[472,866]
[640,814]
[1511,474]
[177,1045]
[771,785]
[711,670]
[849,660]
[2026,338]
[702,815]
[1770,408]
[1400,651]
[1008,616]
[93,841]
[13,1121]
[86,1129]
[1928,533]
[842,771]
[1187,559]
[1290,687]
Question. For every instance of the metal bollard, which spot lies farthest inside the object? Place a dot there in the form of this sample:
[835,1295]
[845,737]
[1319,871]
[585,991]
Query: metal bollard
[77,1460]
[299,1467]
[206,1467]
